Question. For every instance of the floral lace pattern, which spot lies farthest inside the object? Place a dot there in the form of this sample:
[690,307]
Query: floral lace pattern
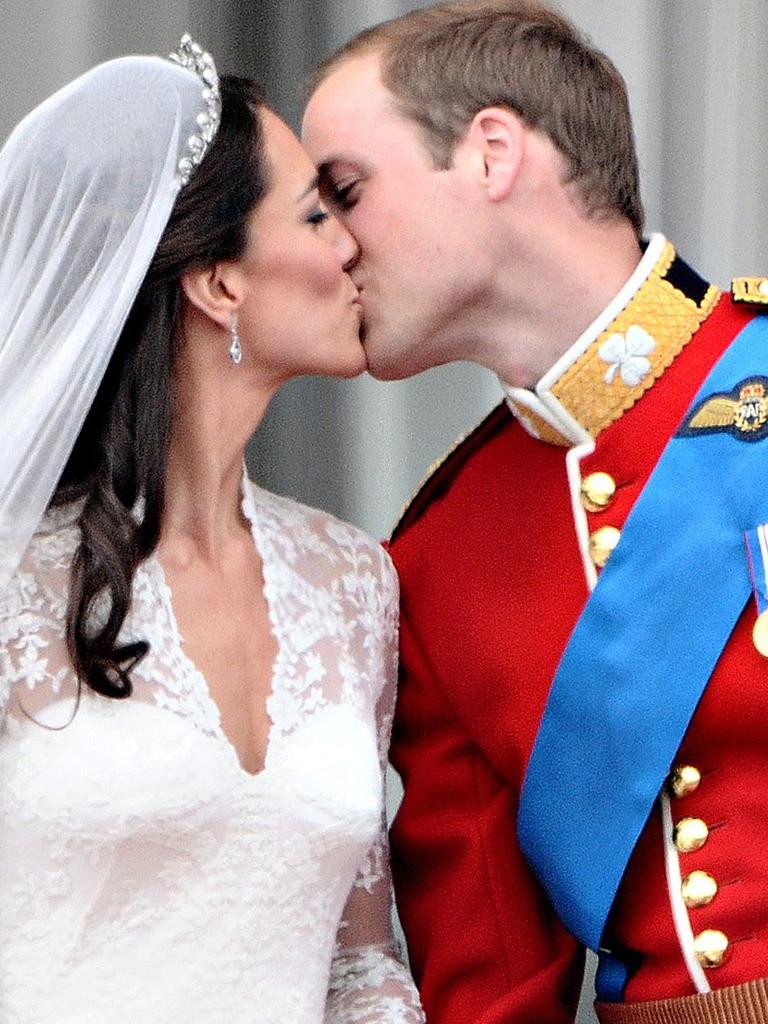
[144,875]
[364,984]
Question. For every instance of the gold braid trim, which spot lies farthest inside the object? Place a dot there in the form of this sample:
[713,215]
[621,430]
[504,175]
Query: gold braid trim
[662,311]
[538,426]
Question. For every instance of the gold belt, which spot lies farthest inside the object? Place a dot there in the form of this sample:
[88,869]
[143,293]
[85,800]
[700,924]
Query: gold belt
[738,1004]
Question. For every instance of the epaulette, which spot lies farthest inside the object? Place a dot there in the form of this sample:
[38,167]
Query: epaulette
[445,469]
[751,291]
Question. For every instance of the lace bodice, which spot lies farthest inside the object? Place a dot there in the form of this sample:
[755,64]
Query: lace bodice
[145,877]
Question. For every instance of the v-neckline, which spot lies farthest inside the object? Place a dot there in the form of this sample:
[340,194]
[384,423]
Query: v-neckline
[197,677]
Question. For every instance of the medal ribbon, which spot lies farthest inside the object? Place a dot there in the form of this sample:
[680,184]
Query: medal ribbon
[756,541]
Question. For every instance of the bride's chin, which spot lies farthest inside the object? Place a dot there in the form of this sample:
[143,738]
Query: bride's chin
[355,360]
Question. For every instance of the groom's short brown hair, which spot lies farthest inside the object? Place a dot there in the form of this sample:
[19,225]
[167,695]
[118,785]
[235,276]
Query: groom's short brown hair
[444,63]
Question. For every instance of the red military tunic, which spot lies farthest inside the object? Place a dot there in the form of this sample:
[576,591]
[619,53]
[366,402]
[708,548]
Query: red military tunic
[496,557]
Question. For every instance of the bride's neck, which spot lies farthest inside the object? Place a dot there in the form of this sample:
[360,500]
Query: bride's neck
[214,415]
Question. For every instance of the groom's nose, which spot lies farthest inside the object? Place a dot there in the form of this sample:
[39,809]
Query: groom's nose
[345,245]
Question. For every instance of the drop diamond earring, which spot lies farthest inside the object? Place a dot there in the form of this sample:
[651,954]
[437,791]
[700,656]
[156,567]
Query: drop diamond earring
[235,348]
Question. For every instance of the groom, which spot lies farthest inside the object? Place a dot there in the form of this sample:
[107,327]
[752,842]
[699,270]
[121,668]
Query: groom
[580,727]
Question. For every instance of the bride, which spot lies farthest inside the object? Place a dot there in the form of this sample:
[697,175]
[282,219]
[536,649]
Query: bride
[196,676]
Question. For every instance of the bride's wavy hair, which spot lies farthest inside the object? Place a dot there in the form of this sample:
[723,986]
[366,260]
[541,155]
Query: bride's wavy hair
[119,458]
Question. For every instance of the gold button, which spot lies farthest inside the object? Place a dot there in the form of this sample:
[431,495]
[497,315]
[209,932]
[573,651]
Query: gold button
[690,834]
[699,889]
[710,947]
[597,491]
[684,779]
[601,544]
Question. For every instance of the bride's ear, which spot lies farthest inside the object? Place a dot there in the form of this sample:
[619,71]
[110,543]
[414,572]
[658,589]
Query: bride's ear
[216,291]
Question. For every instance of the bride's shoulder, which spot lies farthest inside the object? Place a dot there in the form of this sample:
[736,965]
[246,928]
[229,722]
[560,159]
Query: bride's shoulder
[33,604]
[47,560]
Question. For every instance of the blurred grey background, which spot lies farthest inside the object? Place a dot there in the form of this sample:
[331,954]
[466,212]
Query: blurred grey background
[696,76]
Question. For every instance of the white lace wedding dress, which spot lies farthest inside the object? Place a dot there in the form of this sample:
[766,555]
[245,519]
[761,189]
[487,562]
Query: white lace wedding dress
[145,877]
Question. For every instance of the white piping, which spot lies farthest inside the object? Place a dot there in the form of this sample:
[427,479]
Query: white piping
[573,467]
[679,909]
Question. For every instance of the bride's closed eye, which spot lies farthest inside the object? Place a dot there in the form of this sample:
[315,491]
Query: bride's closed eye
[317,216]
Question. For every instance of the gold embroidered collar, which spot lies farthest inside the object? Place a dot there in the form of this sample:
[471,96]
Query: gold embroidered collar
[621,355]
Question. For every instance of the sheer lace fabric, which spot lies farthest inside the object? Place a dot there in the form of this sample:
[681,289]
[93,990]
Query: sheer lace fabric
[144,875]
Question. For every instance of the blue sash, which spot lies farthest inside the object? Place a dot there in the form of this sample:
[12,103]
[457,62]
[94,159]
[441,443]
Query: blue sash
[646,644]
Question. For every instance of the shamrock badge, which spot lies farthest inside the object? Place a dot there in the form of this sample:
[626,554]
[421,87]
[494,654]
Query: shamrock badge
[626,355]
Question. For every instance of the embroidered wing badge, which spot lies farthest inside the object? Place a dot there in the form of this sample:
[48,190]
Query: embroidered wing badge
[742,413]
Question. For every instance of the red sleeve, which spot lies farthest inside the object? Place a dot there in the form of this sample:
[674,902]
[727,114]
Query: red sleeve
[484,943]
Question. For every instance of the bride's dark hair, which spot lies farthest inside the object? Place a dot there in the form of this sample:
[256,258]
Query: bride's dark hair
[119,458]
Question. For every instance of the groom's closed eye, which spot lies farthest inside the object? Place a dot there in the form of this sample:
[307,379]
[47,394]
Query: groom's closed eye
[339,191]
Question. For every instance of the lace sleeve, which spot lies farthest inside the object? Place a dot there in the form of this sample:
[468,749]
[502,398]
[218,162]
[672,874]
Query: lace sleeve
[35,670]
[369,984]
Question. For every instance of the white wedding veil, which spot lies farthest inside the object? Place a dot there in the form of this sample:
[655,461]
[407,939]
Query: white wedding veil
[87,184]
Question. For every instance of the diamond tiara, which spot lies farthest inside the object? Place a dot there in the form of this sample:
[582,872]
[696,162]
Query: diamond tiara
[193,57]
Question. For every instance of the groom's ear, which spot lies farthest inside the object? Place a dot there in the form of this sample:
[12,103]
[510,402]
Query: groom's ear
[217,291]
[493,147]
